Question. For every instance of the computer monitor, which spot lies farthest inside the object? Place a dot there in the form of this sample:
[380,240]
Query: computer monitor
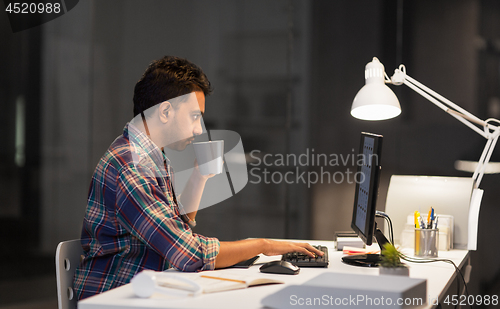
[365,199]
[367,180]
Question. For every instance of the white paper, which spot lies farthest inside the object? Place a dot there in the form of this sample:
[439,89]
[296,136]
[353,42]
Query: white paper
[448,195]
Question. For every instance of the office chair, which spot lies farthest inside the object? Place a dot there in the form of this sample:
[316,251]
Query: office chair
[68,256]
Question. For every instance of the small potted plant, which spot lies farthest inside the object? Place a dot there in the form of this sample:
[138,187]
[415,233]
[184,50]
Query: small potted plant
[390,263]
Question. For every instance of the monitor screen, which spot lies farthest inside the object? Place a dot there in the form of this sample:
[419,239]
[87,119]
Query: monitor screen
[367,179]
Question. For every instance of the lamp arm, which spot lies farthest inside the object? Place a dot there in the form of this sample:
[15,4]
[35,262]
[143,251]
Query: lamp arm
[471,119]
[485,158]
[445,108]
[490,132]
[446,101]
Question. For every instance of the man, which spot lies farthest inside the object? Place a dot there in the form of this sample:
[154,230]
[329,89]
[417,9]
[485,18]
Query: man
[133,220]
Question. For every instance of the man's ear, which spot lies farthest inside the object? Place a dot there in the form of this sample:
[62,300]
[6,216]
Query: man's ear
[165,111]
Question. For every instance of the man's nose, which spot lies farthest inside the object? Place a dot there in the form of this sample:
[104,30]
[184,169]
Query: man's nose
[198,129]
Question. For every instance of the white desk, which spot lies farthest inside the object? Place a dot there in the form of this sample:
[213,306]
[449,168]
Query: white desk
[439,276]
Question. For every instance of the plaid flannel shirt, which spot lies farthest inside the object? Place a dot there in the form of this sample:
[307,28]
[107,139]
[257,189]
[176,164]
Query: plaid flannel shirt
[132,222]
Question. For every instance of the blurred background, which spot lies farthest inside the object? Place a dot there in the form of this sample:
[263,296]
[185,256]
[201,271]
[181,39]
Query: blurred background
[285,73]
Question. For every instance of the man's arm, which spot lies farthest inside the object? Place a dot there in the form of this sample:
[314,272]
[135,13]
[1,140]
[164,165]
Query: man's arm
[234,252]
[147,212]
[191,196]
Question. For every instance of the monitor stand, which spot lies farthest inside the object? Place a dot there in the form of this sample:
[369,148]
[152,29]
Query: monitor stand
[367,260]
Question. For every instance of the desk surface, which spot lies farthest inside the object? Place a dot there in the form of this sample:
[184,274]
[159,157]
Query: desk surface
[439,276]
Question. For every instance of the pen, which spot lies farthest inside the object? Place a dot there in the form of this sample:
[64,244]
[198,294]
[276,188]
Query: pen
[429,219]
[417,233]
[225,279]
[422,223]
[433,217]
[436,222]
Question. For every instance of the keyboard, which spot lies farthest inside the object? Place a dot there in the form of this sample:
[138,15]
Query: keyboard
[303,260]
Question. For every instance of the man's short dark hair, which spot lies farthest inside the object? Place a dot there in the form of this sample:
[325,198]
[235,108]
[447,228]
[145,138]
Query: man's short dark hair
[168,78]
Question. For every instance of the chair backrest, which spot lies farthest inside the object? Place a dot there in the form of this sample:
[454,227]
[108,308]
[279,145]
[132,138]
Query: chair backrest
[68,256]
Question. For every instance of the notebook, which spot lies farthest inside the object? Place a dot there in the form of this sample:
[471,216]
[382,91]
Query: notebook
[194,283]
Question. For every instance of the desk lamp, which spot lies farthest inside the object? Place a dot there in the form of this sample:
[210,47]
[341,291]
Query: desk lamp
[376,101]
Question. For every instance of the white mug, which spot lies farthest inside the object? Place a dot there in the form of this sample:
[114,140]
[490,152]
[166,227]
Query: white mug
[209,156]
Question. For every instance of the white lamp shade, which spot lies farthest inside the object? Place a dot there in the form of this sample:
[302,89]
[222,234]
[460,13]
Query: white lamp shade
[375,102]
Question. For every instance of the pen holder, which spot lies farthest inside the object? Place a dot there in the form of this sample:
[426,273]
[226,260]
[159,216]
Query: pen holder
[426,242]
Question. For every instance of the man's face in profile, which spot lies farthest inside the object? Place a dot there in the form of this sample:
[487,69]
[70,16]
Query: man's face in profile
[185,121]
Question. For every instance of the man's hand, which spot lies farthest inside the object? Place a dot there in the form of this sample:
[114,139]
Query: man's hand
[198,175]
[233,252]
[274,247]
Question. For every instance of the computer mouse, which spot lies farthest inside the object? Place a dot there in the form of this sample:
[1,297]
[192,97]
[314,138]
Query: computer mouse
[280,267]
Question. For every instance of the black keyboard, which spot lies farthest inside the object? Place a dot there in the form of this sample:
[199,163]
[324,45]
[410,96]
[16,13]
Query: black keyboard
[303,260]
